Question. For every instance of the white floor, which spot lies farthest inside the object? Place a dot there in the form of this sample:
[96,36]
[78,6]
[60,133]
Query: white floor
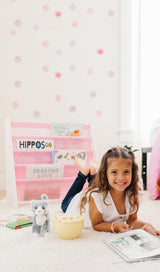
[19,251]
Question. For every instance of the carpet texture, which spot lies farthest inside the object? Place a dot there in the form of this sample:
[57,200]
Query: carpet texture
[19,251]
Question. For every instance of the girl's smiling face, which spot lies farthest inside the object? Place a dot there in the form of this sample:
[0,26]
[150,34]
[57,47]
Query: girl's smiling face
[119,174]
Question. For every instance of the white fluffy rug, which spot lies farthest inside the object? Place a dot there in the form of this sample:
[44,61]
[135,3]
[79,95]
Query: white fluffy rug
[19,251]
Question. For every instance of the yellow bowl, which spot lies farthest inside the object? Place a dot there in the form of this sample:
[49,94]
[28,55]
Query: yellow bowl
[68,228]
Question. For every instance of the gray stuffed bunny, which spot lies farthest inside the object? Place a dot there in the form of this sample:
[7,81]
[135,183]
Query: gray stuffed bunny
[41,218]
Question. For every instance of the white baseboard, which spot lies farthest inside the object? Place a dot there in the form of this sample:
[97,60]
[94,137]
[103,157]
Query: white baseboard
[2,182]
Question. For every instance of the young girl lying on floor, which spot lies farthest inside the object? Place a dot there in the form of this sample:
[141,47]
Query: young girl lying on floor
[111,201]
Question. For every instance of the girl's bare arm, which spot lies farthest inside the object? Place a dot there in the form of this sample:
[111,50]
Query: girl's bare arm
[98,223]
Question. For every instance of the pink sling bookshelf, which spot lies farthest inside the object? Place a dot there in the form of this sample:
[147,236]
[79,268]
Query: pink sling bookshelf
[38,161]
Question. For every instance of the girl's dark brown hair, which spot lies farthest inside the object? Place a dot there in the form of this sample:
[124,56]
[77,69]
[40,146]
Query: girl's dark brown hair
[101,184]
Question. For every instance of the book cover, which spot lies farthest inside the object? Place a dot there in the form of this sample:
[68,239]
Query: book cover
[68,155]
[32,144]
[16,221]
[135,245]
[44,171]
[67,129]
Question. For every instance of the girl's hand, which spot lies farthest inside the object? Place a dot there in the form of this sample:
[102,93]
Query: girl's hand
[149,228]
[122,227]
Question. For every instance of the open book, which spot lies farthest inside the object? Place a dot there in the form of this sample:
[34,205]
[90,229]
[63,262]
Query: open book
[16,221]
[135,245]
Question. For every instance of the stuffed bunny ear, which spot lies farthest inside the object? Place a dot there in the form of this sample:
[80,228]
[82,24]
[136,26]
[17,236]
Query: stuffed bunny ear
[32,201]
[44,197]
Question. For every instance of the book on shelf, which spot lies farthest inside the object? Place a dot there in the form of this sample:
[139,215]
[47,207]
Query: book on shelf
[65,156]
[135,245]
[44,171]
[67,129]
[16,221]
[34,144]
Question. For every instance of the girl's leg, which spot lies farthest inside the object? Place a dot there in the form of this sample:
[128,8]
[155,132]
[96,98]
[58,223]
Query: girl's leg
[76,187]
[93,164]
[90,179]
[78,184]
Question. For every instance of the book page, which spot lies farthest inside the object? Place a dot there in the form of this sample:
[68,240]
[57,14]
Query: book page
[136,245]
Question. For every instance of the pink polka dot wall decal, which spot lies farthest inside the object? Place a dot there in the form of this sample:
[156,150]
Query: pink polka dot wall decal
[58,14]
[73,68]
[57,97]
[45,43]
[18,84]
[45,7]
[72,108]
[90,71]
[18,23]
[75,24]
[17,59]
[99,113]
[110,12]
[92,94]
[72,43]
[36,114]
[45,68]
[13,1]
[110,73]
[100,51]
[15,105]
[58,75]
[13,33]
[89,10]
[36,27]
[59,52]
[72,7]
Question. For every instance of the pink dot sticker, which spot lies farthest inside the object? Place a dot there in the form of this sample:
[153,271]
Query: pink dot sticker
[110,12]
[36,27]
[45,43]
[45,68]
[18,84]
[13,33]
[99,113]
[100,51]
[90,71]
[58,14]
[58,75]
[93,94]
[110,73]
[73,68]
[75,24]
[15,105]
[59,52]
[45,7]
[73,7]
[18,23]
[73,43]
[89,10]
[72,108]
[57,97]
[17,59]
[36,113]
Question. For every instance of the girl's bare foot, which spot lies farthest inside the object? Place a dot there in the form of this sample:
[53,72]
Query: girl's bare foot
[83,168]
[93,165]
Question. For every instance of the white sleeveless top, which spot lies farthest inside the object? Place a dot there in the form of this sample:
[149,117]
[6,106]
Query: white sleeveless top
[109,212]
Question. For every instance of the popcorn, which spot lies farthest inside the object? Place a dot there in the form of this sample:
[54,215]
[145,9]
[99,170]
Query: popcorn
[67,218]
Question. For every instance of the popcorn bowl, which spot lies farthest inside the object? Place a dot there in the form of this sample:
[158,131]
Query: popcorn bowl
[68,226]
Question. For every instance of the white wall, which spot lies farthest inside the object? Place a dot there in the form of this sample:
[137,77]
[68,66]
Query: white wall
[41,38]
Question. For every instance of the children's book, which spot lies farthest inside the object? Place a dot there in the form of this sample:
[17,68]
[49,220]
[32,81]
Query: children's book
[135,245]
[32,144]
[68,155]
[67,129]
[16,221]
[44,171]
